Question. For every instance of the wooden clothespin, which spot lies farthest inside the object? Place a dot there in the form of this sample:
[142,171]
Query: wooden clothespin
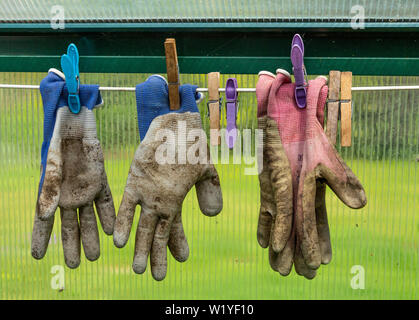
[333,106]
[214,107]
[345,108]
[172,72]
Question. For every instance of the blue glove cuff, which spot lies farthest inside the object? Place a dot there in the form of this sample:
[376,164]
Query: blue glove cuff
[153,100]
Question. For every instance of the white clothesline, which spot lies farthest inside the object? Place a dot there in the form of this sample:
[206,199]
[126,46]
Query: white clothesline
[379,88]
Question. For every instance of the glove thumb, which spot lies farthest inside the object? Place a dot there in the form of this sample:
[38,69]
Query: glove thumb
[208,192]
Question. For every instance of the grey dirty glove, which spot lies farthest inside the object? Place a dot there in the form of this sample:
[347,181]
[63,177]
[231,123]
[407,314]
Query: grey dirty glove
[73,175]
[170,160]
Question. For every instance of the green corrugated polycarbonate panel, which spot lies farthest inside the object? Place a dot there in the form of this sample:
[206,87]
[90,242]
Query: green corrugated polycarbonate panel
[225,260]
[206,11]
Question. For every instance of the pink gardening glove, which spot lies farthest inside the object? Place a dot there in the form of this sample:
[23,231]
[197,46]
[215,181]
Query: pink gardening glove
[281,260]
[312,159]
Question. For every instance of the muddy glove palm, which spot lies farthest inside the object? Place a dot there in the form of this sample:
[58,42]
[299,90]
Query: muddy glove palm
[312,160]
[72,174]
[172,157]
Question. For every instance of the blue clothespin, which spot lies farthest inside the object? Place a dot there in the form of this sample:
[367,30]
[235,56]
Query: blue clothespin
[297,59]
[70,67]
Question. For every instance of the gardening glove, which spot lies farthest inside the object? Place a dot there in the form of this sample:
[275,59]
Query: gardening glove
[275,215]
[172,157]
[72,174]
[312,158]
[282,261]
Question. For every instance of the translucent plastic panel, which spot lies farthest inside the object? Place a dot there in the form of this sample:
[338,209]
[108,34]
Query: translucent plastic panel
[214,10]
[226,261]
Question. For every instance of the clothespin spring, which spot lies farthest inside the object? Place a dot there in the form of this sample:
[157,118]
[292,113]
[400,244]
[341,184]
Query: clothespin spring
[219,101]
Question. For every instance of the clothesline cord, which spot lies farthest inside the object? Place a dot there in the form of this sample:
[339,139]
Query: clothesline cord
[379,88]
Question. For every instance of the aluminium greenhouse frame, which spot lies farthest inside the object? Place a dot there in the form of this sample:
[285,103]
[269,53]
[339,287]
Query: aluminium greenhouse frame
[382,48]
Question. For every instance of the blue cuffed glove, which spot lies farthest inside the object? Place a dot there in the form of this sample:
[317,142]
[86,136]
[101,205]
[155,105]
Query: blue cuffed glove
[72,173]
[161,186]
[153,100]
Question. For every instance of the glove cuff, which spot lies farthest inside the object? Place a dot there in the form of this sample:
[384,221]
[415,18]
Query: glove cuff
[263,87]
[75,126]
[57,72]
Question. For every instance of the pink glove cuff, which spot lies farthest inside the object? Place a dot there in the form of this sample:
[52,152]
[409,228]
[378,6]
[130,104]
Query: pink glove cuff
[263,87]
[321,103]
[296,124]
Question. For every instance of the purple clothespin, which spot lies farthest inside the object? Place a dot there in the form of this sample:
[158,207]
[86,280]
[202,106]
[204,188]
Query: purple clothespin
[297,59]
[231,114]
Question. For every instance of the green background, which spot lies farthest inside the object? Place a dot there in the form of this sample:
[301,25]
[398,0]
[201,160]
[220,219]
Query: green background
[225,260]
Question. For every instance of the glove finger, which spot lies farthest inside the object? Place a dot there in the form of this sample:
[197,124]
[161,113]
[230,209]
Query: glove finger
[41,234]
[321,212]
[89,232]
[105,209]
[267,205]
[158,255]
[70,236]
[281,181]
[300,266]
[144,239]
[282,261]
[264,228]
[306,223]
[322,223]
[123,222]
[51,186]
[347,188]
[208,192]
[280,229]
[178,244]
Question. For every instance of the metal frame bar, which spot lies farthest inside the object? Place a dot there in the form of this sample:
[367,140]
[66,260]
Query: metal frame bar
[199,26]
[226,65]
[130,89]
[230,48]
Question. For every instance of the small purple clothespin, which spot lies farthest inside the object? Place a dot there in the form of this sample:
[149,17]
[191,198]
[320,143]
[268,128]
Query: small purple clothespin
[231,114]
[297,59]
